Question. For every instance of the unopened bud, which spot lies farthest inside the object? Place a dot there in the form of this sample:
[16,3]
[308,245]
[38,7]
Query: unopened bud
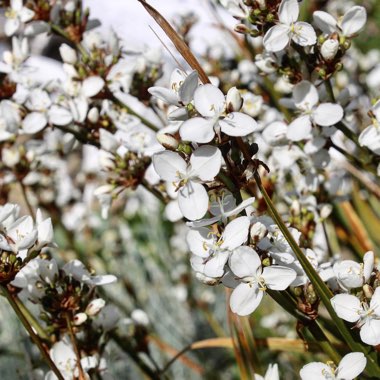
[329,49]
[266,262]
[297,291]
[184,148]
[79,318]
[368,291]
[241,28]
[311,296]
[339,66]
[234,100]
[140,317]
[95,306]
[258,231]
[167,141]
[325,211]
[68,54]
[93,115]
[270,17]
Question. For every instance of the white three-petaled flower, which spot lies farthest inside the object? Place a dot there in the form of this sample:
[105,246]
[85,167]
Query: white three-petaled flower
[350,366]
[305,97]
[215,250]
[204,165]
[245,263]
[278,36]
[367,317]
[211,103]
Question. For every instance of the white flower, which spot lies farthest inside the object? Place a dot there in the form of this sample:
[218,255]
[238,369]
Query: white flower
[204,165]
[351,366]
[68,54]
[352,22]
[278,36]
[367,317]
[210,102]
[305,97]
[215,250]
[370,136]
[245,263]
[16,15]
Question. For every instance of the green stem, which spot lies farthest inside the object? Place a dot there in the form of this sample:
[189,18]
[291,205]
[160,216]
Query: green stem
[31,332]
[31,319]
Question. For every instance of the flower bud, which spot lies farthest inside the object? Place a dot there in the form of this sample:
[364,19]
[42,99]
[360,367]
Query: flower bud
[10,157]
[258,231]
[167,141]
[93,115]
[80,318]
[68,54]
[329,49]
[140,317]
[234,100]
[241,28]
[368,291]
[325,211]
[95,306]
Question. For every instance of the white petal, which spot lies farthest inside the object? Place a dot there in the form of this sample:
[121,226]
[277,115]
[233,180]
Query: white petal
[288,11]
[166,95]
[304,34]
[316,371]
[91,86]
[34,122]
[277,277]
[205,162]
[245,299]
[275,133]
[351,365]
[186,91]
[346,307]
[193,201]
[370,332]
[11,26]
[276,38]
[324,22]
[327,114]
[305,95]
[369,260]
[236,233]
[196,239]
[102,280]
[198,130]
[299,129]
[370,137]
[215,266]
[209,100]
[238,124]
[59,115]
[26,14]
[354,21]
[375,302]
[168,165]
[244,262]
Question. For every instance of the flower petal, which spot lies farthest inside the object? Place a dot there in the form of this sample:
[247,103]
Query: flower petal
[245,299]
[198,130]
[244,262]
[186,91]
[205,162]
[193,200]
[299,129]
[236,233]
[238,124]
[305,95]
[209,100]
[34,122]
[347,307]
[351,366]
[288,11]
[276,38]
[304,34]
[324,22]
[168,164]
[278,277]
[196,239]
[316,371]
[370,332]
[327,114]
[354,20]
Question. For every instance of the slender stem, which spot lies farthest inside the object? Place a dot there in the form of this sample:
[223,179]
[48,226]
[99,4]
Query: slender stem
[75,347]
[31,319]
[32,334]
[26,199]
